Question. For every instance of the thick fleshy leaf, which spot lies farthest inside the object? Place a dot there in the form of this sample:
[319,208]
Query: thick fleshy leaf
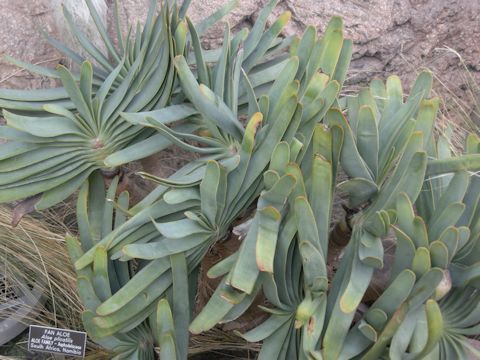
[268,225]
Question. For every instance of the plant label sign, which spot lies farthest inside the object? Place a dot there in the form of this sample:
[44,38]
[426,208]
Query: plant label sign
[59,341]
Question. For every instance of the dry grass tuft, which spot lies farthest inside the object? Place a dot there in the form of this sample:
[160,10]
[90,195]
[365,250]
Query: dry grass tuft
[34,253]
[221,344]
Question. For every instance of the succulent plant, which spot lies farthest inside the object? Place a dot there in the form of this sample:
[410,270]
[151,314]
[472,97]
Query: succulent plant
[271,132]
[53,146]
[147,51]
[205,197]
[96,218]
[58,137]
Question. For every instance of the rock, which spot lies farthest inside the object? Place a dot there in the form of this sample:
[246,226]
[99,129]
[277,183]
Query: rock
[20,38]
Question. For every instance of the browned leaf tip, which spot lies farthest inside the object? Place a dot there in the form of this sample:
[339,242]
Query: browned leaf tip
[23,208]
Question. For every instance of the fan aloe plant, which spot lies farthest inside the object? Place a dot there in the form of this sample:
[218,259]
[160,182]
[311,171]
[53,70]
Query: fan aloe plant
[53,145]
[58,137]
[265,117]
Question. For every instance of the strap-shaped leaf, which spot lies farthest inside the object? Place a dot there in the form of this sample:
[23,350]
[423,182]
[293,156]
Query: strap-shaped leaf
[397,125]
[216,308]
[283,259]
[137,151]
[307,225]
[213,191]
[245,272]
[206,101]
[332,43]
[325,98]
[405,215]
[420,232]
[266,40]
[384,337]
[439,254]
[317,85]
[180,228]
[404,252]
[421,261]
[357,285]
[367,138]
[450,238]
[43,127]
[35,164]
[222,267]
[426,118]
[86,82]
[202,71]
[463,236]
[423,84]
[177,196]
[285,78]
[100,280]
[268,225]
[349,285]
[32,186]
[321,198]
[368,331]
[314,267]
[278,194]
[448,217]
[395,294]
[280,157]
[219,73]
[76,96]
[243,303]
[407,177]
[148,275]
[36,94]
[466,275]
[273,345]
[165,330]
[343,62]
[311,333]
[351,161]
[87,293]
[455,192]
[305,47]
[164,247]
[237,176]
[307,308]
[470,162]
[266,329]
[181,307]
